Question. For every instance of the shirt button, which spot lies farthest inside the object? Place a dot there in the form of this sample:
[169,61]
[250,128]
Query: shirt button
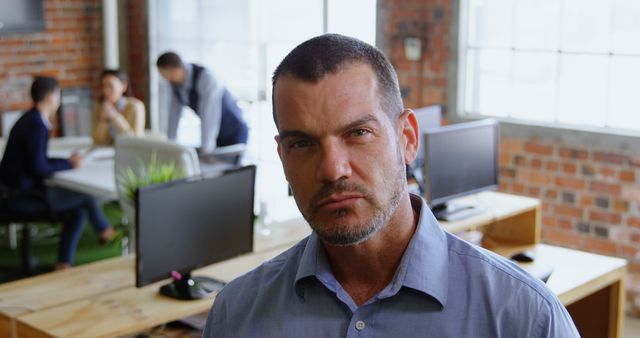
[360,325]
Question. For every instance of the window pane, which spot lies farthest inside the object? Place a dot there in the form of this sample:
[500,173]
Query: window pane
[536,24]
[490,23]
[343,21]
[586,26]
[291,20]
[582,89]
[626,27]
[624,101]
[488,82]
[534,86]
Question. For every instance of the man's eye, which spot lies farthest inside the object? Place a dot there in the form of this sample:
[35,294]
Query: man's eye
[298,144]
[360,132]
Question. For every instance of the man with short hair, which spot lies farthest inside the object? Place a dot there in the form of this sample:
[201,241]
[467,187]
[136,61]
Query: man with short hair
[377,263]
[25,166]
[194,86]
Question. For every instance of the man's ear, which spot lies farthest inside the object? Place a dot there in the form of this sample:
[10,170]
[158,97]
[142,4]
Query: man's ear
[410,135]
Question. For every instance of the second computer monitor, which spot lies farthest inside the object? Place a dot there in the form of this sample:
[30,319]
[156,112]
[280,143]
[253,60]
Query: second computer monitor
[459,160]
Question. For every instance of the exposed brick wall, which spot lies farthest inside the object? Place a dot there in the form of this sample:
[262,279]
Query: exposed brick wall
[137,21]
[590,197]
[423,82]
[70,49]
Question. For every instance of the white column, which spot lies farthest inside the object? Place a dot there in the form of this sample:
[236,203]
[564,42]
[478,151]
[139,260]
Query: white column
[110,33]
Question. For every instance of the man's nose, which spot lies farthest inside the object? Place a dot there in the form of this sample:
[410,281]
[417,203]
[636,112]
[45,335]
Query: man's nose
[334,162]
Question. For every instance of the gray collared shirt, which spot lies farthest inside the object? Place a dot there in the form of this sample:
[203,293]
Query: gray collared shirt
[209,106]
[443,287]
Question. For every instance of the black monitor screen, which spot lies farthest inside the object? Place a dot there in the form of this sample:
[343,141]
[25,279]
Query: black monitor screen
[460,159]
[192,223]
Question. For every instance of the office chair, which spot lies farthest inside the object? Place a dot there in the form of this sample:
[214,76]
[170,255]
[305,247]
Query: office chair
[133,152]
[8,217]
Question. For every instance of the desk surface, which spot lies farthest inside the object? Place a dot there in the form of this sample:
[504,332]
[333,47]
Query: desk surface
[94,177]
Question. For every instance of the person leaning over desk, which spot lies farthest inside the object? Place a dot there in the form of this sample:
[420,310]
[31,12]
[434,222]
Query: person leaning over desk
[194,86]
[117,112]
[25,165]
[377,263]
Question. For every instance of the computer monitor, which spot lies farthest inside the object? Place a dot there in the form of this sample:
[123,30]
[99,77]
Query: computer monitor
[428,117]
[459,160]
[187,224]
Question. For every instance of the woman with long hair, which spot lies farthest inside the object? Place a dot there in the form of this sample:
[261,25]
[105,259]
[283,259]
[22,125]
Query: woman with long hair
[117,112]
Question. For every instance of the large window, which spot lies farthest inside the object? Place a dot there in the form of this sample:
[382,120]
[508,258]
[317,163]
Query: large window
[242,41]
[568,62]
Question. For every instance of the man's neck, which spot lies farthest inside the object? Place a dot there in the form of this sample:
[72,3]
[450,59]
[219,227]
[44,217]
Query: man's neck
[44,109]
[365,269]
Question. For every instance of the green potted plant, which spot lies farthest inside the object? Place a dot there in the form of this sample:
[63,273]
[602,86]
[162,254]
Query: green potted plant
[146,174]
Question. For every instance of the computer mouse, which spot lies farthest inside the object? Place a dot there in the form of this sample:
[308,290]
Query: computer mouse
[523,256]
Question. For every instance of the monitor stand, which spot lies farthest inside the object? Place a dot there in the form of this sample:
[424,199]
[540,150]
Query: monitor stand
[455,212]
[185,287]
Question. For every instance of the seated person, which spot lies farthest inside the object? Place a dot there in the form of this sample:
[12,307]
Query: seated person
[116,112]
[25,165]
[194,86]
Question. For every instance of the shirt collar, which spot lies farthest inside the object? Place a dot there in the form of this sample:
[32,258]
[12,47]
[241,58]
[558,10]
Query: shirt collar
[45,120]
[423,267]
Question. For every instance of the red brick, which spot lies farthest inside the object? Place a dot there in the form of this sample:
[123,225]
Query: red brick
[609,188]
[567,210]
[607,172]
[549,221]
[510,145]
[627,176]
[569,168]
[534,177]
[579,154]
[573,183]
[627,251]
[621,206]
[586,200]
[551,194]
[561,237]
[518,188]
[505,159]
[533,191]
[606,217]
[633,221]
[552,166]
[538,149]
[535,163]
[565,224]
[507,173]
[608,158]
[601,246]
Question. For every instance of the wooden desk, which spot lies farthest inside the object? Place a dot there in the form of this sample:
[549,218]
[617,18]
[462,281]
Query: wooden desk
[130,310]
[591,286]
[52,289]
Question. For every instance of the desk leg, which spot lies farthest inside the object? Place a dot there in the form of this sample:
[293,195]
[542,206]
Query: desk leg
[600,314]
[7,326]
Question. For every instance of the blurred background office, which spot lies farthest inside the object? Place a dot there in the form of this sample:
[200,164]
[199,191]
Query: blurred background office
[561,76]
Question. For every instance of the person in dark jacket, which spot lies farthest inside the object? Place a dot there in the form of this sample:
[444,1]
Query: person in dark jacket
[25,166]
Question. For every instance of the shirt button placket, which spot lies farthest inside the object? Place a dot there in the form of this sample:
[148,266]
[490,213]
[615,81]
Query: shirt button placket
[360,325]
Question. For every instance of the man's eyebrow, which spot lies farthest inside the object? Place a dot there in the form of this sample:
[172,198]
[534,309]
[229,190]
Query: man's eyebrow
[359,122]
[300,134]
[292,133]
